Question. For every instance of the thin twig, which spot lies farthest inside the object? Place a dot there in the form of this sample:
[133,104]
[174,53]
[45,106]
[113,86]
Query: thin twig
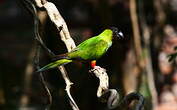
[37,59]
[30,6]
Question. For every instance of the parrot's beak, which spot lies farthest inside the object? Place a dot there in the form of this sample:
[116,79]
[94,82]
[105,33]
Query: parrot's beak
[120,35]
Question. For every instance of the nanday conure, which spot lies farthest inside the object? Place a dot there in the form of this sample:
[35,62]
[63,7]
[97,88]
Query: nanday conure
[89,50]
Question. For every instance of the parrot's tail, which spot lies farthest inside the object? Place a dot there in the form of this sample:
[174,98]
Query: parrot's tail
[55,64]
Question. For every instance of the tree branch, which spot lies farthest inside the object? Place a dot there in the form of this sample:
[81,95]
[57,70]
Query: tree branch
[57,19]
[136,34]
[103,89]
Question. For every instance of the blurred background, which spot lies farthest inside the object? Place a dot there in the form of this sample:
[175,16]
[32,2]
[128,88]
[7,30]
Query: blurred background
[137,63]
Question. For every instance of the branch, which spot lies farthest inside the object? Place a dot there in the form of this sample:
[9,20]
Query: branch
[103,78]
[136,34]
[59,22]
[103,89]
[57,19]
[111,95]
[130,97]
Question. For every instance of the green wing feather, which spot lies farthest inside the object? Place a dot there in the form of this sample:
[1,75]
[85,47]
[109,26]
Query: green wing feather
[89,42]
[90,50]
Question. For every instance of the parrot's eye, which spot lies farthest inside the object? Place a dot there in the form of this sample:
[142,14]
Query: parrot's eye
[117,33]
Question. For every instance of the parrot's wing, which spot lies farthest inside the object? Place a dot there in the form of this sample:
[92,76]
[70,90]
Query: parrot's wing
[78,51]
[90,51]
[94,50]
[89,42]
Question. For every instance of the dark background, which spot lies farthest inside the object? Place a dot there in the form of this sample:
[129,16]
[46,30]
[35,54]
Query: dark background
[86,18]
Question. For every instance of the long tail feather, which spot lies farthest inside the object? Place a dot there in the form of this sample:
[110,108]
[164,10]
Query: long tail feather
[54,64]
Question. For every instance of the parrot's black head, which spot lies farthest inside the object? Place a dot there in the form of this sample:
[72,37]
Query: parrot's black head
[117,34]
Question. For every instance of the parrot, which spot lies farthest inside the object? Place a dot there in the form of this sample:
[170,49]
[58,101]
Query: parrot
[89,50]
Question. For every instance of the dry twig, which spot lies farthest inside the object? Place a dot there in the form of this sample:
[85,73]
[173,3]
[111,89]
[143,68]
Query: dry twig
[56,18]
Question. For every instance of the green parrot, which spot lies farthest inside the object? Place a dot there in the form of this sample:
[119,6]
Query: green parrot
[89,50]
